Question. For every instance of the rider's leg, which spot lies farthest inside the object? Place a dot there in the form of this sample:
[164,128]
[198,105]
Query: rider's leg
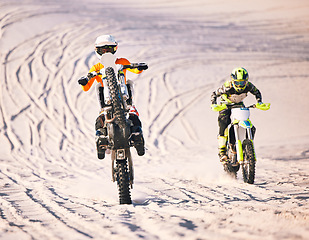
[223,120]
[100,95]
[137,133]
[101,136]
[101,131]
[222,147]
[130,92]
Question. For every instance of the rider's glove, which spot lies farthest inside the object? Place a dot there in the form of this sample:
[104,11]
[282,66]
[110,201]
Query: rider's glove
[142,66]
[262,106]
[89,76]
[218,108]
[83,81]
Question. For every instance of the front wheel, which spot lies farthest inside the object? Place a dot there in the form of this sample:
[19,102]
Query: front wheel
[248,166]
[116,96]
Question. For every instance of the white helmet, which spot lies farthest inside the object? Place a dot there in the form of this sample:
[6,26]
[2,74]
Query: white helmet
[105,40]
[104,44]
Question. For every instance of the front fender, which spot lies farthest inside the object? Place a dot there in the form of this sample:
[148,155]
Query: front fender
[245,124]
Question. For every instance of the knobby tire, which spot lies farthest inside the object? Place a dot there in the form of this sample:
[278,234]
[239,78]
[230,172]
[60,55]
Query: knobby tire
[248,168]
[116,98]
[230,170]
[123,181]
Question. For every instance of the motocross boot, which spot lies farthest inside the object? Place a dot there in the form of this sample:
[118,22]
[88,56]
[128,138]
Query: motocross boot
[101,142]
[138,140]
[136,132]
[232,154]
[222,148]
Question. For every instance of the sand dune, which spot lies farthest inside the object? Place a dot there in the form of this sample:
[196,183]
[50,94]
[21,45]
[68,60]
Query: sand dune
[52,186]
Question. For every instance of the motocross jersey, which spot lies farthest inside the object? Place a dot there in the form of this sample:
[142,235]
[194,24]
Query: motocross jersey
[230,96]
[97,67]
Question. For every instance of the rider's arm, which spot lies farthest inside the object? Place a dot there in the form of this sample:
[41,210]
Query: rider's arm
[256,92]
[88,85]
[135,70]
[219,92]
[213,98]
[124,61]
[95,68]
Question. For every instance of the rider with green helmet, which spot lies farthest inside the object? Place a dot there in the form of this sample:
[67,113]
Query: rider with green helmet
[232,92]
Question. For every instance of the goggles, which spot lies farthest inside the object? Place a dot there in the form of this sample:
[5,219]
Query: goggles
[240,83]
[105,49]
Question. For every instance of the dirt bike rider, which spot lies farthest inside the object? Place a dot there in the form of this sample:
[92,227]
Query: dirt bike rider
[232,92]
[107,44]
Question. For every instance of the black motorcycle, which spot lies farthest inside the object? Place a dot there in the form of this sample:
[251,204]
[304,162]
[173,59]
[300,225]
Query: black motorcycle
[119,127]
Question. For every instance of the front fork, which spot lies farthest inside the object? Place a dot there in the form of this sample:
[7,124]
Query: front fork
[238,141]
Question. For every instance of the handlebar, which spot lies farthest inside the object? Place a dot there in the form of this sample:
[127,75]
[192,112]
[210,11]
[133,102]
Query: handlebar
[252,106]
[263,106]
[242,106]
[139,66]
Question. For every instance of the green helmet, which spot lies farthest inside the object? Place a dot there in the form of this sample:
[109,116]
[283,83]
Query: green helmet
[239,78]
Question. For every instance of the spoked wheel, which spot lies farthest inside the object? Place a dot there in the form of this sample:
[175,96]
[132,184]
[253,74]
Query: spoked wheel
[230,170]
[123,180]
[248,166]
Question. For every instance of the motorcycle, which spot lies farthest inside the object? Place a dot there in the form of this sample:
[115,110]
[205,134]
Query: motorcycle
[240,142]
[117,105]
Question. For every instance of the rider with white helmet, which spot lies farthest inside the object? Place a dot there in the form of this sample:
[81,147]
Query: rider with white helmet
[107,44]
[104,44]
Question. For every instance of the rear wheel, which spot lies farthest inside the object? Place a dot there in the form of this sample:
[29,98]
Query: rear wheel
[248,167]
[123,181]
[231,166]
[230,170]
